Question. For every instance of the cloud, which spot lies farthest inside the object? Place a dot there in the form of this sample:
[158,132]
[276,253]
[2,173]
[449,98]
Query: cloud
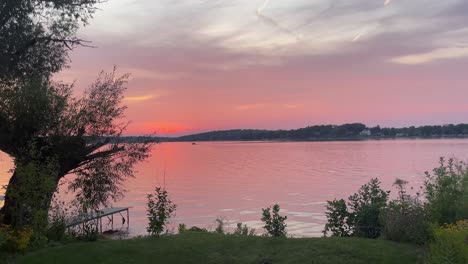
[249,107]
[432,56]
[219,54]
[139,98]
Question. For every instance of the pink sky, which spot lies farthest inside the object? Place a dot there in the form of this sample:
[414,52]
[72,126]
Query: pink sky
[206,65]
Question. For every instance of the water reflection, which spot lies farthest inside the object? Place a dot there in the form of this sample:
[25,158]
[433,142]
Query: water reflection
[234,180]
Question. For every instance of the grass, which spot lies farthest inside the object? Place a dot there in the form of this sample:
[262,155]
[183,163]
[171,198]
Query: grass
[213,248]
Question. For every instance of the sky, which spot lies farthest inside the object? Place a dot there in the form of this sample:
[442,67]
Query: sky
[199,65]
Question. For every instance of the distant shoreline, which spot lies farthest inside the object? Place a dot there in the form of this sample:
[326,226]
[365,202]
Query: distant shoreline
[139,139]
[319,133]
[325,139]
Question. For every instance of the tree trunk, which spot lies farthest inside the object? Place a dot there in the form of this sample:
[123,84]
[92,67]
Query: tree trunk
[9,214]
[6,213]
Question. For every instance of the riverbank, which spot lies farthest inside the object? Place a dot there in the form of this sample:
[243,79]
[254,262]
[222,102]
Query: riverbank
[213,248]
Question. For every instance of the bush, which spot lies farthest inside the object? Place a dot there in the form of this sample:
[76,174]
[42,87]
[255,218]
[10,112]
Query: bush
[450,244]
[447,192]
[57,226]
[182,228]
[339,222]
[274,223]
[219,226]
[16,240]
[3,236]
[404,219]
[160,209]
[198,229]
[244,230]
[360,216]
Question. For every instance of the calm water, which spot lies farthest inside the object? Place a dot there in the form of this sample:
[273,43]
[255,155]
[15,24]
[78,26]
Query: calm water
[234,180]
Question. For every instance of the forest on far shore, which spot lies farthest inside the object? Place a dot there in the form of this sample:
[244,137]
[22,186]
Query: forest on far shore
[355,131]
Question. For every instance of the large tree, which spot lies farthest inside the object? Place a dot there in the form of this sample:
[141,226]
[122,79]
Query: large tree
[48,130]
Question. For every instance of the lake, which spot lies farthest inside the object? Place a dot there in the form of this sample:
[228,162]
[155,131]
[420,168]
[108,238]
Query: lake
[234,180]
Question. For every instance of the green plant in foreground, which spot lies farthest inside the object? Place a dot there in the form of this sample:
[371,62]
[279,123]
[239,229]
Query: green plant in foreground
[160,210]
[447,192]
[182,228]
[244,230]
[360,216]
[450,244]
[405,219]
[275,224]
[219,226]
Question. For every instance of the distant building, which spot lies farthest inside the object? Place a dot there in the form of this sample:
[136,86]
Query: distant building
[366,132]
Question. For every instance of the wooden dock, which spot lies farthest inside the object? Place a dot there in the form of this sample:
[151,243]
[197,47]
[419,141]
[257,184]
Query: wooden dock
[99,215]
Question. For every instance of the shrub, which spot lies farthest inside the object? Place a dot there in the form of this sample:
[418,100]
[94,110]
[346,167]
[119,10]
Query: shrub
[404,219]
[450,244]
[339,222]
[219,226]
[275,224]
[182,228]
[88,231]
[360,216]
[3,236]
[198,229]
[57,221]
[16,240]
[447,192]
[244,230]
[160,209]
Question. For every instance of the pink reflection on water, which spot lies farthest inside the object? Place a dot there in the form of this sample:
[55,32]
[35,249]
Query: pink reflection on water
[234,180]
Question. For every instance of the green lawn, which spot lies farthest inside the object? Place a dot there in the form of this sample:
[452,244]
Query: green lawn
[213,248]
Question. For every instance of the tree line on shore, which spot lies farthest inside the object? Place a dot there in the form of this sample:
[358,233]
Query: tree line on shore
[353,131]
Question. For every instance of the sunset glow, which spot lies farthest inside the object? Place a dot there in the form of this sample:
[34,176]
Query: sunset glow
[210,65]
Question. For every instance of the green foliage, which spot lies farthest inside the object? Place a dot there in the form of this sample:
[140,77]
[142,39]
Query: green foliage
[36,176]
[29,199]
[360,216]
[4,232]
[182,228]
[198,229]
[339,221]
[404,219]
[79,135]
[89,231]
[327,132]
[219,226]
[160,209]
[71,135]
[365,207]
[450,244]
[447,192]
[244,230]
[58,215]
[36,35]
[275,224]
[16,240]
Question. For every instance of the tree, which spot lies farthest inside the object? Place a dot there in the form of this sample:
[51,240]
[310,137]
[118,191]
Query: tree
[81,135]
